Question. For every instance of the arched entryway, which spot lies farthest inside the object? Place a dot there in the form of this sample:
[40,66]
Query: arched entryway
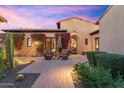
[74,44]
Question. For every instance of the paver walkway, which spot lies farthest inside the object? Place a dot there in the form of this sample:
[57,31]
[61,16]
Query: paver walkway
[53,73]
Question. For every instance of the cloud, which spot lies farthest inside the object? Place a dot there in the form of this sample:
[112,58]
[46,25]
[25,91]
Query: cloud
[18,21]
[13,19]
[44,22]
[42,16]
[47,10]
[65,9]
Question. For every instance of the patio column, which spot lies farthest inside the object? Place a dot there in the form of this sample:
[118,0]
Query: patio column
[10,49]
[65,40]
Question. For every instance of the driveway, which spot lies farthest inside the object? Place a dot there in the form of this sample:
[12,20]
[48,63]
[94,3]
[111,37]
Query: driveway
[54,73]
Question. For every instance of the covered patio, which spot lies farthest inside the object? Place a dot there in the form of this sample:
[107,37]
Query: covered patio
[22,43]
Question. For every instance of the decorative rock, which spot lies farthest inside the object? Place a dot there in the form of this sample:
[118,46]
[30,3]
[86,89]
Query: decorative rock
[20,77]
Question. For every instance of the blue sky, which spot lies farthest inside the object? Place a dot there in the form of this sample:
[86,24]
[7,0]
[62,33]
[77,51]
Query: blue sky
[43,16]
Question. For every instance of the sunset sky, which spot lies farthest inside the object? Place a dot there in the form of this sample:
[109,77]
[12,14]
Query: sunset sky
[42,16]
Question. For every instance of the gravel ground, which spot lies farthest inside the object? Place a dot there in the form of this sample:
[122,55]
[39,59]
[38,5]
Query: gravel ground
[9,81]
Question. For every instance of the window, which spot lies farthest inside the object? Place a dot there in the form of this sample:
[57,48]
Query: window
[29,42]
[97,44]
[86,41]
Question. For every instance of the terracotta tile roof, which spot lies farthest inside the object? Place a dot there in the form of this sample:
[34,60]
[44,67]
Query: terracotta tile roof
[76,18]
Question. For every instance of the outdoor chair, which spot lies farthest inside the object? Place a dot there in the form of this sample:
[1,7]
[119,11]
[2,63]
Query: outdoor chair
[48,55]
[64,54]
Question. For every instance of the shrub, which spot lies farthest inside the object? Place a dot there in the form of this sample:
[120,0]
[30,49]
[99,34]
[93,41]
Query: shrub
[4,57]
[3,61]
[114,62]
[91,57]
[97,77]
[118,82]
[93,76]
[1,64]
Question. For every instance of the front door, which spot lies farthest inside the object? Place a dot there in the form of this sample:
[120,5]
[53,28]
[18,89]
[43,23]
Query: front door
[50,44]
[73,44]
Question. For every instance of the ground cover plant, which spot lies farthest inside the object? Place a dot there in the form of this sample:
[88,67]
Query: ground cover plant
[91,57]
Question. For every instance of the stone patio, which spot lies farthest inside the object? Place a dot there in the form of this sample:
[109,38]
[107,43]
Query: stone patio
[54,73]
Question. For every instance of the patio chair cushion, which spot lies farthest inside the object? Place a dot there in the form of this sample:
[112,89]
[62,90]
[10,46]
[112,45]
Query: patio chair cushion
[48,54]
[64,51]
[64,54]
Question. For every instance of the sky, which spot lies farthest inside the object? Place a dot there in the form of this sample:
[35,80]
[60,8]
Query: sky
[46,16]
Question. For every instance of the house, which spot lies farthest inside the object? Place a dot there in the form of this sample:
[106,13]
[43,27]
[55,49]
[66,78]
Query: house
[84,34]
[77,35]
[112,30]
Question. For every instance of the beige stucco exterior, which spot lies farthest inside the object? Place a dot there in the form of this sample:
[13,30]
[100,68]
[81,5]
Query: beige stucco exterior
[112,30]
[82,29]
[28,35]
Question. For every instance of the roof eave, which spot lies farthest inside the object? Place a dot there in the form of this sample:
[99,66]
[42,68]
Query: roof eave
[34,30]
[95,32]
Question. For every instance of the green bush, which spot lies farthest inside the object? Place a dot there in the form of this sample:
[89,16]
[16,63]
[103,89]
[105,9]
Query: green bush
[114,62]
[97,77]
[3,61]
[91,57]
[1,64]
[93,76]
[118,82]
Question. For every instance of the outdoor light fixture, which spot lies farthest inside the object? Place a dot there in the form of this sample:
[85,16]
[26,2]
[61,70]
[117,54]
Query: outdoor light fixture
[36,44]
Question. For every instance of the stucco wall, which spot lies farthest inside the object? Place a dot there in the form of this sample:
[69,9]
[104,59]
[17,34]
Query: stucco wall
[28,35]
[112,30]
[82,29]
